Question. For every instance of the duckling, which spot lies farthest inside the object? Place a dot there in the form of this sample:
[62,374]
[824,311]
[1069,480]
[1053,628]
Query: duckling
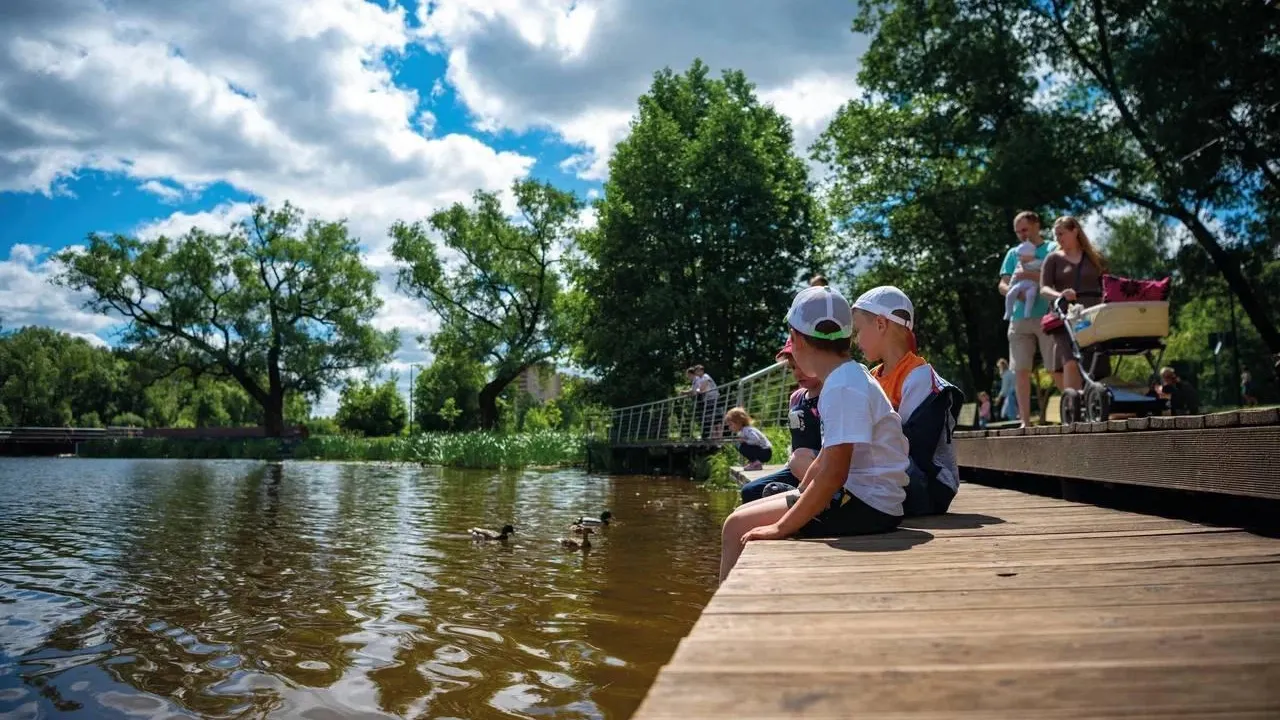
[485,534]
[604,519]
[575,544]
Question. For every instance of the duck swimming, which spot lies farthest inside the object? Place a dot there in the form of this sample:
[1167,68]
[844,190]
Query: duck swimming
[485,534]
[604,519]
[575,544]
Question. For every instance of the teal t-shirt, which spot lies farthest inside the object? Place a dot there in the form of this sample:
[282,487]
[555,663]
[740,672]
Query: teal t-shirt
[1041,306]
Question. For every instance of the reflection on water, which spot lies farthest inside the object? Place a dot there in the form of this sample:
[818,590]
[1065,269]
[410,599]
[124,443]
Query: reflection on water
[314,590]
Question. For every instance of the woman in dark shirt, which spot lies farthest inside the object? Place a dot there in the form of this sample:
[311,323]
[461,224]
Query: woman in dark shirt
[1073,271]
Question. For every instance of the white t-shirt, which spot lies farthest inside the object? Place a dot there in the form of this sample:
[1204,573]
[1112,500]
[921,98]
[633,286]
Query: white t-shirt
[918,386]
[752,436]
[706,386]
[854,409]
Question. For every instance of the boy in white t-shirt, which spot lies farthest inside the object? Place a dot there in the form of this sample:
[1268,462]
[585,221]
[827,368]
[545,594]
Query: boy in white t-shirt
[857,483]
[1025,290]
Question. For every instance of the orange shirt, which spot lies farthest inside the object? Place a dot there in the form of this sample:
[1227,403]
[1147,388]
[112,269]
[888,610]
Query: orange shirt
[892,381]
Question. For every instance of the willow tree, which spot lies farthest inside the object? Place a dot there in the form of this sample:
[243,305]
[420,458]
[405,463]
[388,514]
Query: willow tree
[278,305]
[498,304]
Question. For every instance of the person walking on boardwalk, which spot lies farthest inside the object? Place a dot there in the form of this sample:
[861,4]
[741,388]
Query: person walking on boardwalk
[1025,334]
[928,405]
[857,483]
[705,394]
[1072,272]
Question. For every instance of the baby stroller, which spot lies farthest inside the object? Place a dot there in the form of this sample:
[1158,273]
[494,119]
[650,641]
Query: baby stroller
[1129,321]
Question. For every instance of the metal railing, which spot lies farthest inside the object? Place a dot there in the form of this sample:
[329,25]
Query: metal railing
[764,394]
[64,434]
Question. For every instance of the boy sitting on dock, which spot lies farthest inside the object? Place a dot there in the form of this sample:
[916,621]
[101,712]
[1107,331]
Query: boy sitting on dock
[806,432]
[928,405]
[856,484]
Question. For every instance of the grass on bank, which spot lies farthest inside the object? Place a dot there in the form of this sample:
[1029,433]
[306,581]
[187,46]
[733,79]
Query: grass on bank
[479,450]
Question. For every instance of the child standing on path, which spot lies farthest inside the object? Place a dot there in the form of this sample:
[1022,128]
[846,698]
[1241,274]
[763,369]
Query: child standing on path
[856,485]
[928,405]
[752,443]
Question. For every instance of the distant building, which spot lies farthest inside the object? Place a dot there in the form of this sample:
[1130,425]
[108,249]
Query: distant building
[541,381]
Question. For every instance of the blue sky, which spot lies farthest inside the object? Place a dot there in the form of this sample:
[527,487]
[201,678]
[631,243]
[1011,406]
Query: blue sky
[148,117]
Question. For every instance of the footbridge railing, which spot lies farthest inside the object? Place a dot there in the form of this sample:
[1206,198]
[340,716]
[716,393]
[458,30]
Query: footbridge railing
[685,419]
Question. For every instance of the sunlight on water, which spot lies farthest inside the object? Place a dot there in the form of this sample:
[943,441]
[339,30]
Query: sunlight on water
[166,589]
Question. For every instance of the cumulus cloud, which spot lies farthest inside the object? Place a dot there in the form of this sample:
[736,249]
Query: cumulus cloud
[280,100]
[27,297]
[300,101]
[577,66]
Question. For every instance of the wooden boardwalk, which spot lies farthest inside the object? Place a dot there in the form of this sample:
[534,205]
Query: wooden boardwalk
[1012,606]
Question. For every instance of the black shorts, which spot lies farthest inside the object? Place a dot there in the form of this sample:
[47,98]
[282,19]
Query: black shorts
[845,515]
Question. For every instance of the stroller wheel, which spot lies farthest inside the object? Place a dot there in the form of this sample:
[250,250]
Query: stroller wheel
[1097,403]
[1070,408]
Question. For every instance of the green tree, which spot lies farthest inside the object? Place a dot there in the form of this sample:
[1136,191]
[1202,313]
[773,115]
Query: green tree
[446,396]
[372,410]
[1191,90]
[929,169]
[1135,246]
[500,304]
[49,378]
[706,227]
[277,305]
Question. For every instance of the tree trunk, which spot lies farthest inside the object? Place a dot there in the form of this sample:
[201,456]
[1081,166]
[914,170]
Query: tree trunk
[489,396]
[273,413]
[489,403]
[273,409]
[1236,280]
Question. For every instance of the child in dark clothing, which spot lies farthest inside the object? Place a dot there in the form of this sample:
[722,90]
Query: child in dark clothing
[752,443]
[806,433]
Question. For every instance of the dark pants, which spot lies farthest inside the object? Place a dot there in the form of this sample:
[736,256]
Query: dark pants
[704,412]
[754,490]
[755,453]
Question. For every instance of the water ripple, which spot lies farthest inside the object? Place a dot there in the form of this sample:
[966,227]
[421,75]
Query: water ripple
[235,589]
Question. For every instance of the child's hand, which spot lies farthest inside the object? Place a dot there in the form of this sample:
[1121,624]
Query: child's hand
[764,532]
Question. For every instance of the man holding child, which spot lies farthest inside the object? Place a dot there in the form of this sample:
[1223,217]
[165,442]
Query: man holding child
[1025,333]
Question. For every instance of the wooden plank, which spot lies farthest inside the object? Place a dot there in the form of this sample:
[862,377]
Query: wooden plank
[1237,461]
[782,692]
[1266,416]
[1014,606]
[1207,617]
[755,581]
[1042,598]
[1241,641]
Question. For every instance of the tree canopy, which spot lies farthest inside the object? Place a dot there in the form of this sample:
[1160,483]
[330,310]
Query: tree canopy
[499,300]
[276,305]
[372,410]
[706,224]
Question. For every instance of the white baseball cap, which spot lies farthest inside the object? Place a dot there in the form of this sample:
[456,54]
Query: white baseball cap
[815,304]
[890,303]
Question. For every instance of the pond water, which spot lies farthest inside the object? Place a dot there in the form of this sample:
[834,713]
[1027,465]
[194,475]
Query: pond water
[319,590]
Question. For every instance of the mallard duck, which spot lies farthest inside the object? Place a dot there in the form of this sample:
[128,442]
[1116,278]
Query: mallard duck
[576,544]
[486,534]
[604,519]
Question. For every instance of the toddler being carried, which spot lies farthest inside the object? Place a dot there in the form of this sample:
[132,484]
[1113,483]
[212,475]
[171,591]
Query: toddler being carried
[1024,290]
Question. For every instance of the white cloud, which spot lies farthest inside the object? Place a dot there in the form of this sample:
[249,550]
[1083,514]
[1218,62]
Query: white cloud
[168,193]
[284,100]
[281,100]
[28,298]
[217,220]
[577,66]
